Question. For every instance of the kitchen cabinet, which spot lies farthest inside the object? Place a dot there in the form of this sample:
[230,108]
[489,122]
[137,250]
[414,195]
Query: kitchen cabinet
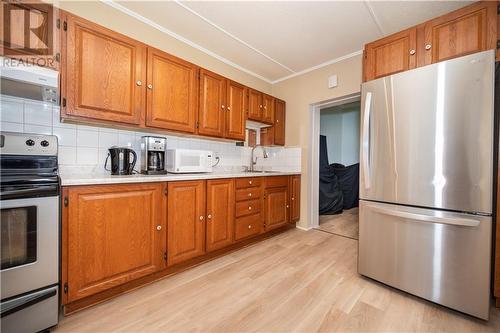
[113,234]
[267,136]
[275,207]
[267,109]
[254,105]
[464,31]
[236,111]
[390,55]
[35,43]
[467,30]
[220,213]
[103,74]
[294,198]
[186,220]
[212,109]
[279,122]
[172,86]
[248,222]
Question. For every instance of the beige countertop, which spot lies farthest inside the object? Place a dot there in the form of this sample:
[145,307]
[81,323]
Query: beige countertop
[93,178]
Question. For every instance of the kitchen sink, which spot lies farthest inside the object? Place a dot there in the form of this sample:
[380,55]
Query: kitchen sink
[260,171]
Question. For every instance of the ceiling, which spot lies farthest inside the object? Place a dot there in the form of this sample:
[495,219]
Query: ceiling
[276,40]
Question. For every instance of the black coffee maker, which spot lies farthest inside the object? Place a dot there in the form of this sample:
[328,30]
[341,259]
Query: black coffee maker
[120,160]
[153,150]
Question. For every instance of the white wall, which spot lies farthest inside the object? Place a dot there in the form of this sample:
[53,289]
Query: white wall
[341,128]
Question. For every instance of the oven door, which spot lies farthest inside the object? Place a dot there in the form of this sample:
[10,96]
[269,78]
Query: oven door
[29,244]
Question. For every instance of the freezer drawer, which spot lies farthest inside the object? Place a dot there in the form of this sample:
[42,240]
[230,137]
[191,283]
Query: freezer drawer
[441,256]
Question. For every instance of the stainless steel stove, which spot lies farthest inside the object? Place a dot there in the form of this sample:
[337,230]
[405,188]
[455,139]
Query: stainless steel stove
[29,204]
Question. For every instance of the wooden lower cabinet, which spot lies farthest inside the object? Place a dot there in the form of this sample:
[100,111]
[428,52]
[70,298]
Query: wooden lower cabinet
[112,234]
[294,198]
[220,213]
[275,207]
[186,220]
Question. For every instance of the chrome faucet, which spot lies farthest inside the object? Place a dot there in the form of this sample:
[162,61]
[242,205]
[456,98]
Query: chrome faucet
[252,161]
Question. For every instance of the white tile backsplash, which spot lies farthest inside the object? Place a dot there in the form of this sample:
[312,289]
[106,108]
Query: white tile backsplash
[87,146]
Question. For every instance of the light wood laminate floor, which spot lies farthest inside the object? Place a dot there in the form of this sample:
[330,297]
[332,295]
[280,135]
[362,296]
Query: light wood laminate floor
[345,224]
[303,281]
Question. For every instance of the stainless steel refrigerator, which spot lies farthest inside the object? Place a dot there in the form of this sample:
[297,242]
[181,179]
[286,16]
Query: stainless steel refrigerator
[426,181]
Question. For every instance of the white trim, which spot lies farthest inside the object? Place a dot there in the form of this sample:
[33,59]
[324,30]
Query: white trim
[374,16]
[155,25]
[192,11]
[310,69]
[313,160]
[302,228]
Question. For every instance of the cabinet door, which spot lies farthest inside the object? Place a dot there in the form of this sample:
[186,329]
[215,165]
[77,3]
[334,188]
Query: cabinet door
[103,74]
[254,105]
[172,99]
[186,220]
[267,136]
[268,109]
[30,33]
[392,54]
[275,207]
[465,31]
[115,233]
[279,123]
[236,111]
[212,109]
[294,198]
[220,213]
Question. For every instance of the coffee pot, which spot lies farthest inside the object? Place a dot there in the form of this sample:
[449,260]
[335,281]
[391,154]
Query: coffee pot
[121,163]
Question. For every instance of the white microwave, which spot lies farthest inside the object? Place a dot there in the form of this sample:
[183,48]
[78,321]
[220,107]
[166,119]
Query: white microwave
[189,161]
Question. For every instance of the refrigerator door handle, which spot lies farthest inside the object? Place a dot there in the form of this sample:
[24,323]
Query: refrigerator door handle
[458,221]
[366,139]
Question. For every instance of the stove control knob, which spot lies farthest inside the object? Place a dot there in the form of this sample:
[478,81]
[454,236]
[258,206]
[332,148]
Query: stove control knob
[30,142]
[44,143]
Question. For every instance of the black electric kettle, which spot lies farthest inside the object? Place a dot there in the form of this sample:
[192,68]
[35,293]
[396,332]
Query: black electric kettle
[120,161]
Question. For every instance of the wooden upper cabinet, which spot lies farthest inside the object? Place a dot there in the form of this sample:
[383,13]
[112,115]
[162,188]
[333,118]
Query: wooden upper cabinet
[279,122]
[294,198]
[115,233]
[104,74]
[186,220]
[254,105]
[220,213]
[467,30]
[267,136]
[236,111]
[212,109]
[390,55]
[172,99]
[267,109]
[275,207]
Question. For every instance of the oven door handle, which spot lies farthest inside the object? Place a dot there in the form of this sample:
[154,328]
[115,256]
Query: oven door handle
[28,191]
[21,303]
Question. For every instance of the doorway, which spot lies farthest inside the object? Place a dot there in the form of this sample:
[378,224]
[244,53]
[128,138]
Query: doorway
[338,121]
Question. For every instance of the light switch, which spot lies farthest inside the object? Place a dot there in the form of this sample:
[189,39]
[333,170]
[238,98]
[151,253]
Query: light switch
[332,81]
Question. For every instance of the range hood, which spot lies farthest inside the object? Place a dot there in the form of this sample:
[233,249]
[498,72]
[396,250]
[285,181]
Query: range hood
[26,80]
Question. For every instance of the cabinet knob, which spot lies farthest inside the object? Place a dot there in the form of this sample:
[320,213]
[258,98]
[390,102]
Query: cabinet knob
[249,194]
[158,227]
[222,106]
[249,226]
[201,218]
[293,199]
[249,207]
[260,106]
[209,216]
[287,206]
[250,182]
[229,108]
[428,46]
[277,121]
[139,83]
[412,52]
[150,86]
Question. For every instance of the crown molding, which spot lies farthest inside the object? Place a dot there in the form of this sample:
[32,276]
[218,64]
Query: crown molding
[310,69]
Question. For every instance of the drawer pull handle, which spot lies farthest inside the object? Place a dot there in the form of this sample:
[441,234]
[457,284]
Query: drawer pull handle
[158,227]
[249,207]
[249,226]
[250,182]
[249,194]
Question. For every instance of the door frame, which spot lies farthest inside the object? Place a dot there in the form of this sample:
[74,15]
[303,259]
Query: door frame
[313,156]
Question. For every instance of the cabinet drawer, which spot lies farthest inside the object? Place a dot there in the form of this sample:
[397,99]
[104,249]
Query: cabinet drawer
[276,181]
[247,226]
[248,182]
[248,193]
[247,207]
